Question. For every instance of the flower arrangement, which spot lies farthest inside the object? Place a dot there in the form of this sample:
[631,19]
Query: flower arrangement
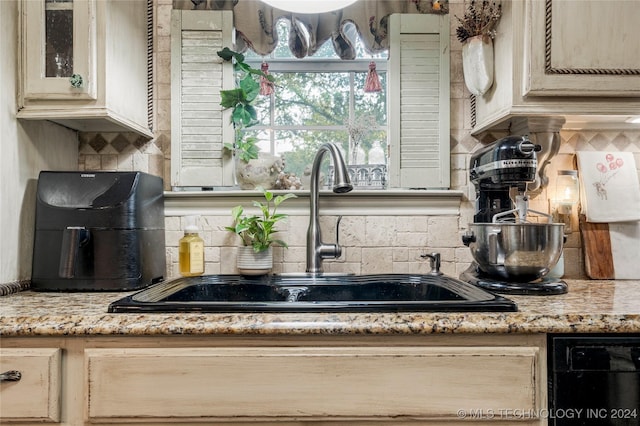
[358,128]
[480,18]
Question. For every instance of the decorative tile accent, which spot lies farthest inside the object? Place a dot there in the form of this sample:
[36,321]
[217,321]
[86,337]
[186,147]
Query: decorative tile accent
[98,143]
[120,143]
[141,144]
[614,140]
[120,151]
[621,142]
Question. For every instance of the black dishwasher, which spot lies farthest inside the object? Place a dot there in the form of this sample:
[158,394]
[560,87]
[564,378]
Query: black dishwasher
[594,379]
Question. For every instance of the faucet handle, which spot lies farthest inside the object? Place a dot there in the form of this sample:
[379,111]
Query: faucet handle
[434,261]
[331,251]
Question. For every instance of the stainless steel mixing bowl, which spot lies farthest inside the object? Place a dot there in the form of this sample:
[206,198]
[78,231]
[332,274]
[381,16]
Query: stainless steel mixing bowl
[515,252]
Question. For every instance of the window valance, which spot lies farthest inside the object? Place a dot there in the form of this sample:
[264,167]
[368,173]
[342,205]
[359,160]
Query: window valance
[255,21]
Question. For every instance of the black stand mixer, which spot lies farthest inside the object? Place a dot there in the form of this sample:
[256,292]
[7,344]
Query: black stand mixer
[511,254]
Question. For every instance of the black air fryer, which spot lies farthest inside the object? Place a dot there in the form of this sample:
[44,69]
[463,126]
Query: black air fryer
[98,231]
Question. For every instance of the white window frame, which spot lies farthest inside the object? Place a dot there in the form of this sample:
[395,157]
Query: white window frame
[328,65]
[434,177]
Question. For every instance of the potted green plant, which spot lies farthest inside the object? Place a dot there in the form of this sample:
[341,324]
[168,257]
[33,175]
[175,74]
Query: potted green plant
[252,167]
[256,232]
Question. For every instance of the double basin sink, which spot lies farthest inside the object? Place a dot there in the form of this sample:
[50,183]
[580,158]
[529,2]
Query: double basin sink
[307,293]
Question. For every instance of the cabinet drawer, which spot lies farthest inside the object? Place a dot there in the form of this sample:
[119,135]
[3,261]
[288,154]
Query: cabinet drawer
[310,382]
[36,396]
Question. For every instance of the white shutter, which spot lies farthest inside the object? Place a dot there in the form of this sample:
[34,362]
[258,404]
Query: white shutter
[419,101]
[199,126]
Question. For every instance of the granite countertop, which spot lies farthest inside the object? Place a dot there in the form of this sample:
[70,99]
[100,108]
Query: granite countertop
[588,307]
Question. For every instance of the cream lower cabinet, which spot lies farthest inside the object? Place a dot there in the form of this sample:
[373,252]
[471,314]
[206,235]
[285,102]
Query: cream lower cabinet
[426,380]
[30,387]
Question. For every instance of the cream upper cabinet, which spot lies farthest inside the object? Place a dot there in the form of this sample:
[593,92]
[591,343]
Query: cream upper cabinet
[583,48]
[576,59]
[84,64]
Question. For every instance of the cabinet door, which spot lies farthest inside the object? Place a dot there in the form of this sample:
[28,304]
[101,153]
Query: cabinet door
[312,383]
[199,126]
[36,396]
[58,41]
[583,48]
[419,101]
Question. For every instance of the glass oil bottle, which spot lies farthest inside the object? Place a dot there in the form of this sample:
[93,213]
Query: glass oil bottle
[191,249]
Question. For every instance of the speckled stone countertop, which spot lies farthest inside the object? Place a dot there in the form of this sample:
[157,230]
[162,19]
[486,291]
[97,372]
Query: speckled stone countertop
[588,307]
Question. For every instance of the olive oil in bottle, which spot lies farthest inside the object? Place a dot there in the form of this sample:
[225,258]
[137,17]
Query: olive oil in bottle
[191,249]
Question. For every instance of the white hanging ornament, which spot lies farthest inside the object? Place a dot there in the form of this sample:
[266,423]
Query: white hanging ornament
[477,64]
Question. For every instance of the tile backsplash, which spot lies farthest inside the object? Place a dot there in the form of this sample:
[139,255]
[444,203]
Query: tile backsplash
[372,244]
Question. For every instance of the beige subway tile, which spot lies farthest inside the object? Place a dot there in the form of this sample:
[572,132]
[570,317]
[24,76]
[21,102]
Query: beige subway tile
[352,254]
[288,267]
[352,231]
[411,224]
[163,20]
[125,162]
[444,232]
[163,67]
[344,268]
[109,162]
[211,268]
[399,254]
[380,231]
[172,223]
[295,254]
[376,260]
[172,237]
[92,162]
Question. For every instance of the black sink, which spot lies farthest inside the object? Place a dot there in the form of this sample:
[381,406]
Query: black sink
[281,293]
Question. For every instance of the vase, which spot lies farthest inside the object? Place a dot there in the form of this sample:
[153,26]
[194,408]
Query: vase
[251,263]
[259,172]
[477,64]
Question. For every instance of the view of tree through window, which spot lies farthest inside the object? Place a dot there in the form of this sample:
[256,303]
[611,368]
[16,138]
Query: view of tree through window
[321,99]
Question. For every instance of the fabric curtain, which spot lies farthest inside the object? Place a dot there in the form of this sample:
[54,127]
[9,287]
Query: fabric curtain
[255,22]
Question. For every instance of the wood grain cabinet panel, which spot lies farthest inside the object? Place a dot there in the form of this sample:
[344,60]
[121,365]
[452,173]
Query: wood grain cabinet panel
[308,383]
[36,396]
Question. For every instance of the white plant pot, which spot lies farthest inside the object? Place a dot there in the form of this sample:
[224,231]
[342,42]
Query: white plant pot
[251,263]
[477,64]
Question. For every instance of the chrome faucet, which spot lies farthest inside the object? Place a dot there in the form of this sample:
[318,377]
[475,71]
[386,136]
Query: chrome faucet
[316,249]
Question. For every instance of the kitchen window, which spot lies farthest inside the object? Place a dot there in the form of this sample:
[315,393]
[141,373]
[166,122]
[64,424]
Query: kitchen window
[322,99]
[319,99]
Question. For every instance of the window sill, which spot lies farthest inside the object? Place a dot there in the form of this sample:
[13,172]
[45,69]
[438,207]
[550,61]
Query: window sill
[400,202]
